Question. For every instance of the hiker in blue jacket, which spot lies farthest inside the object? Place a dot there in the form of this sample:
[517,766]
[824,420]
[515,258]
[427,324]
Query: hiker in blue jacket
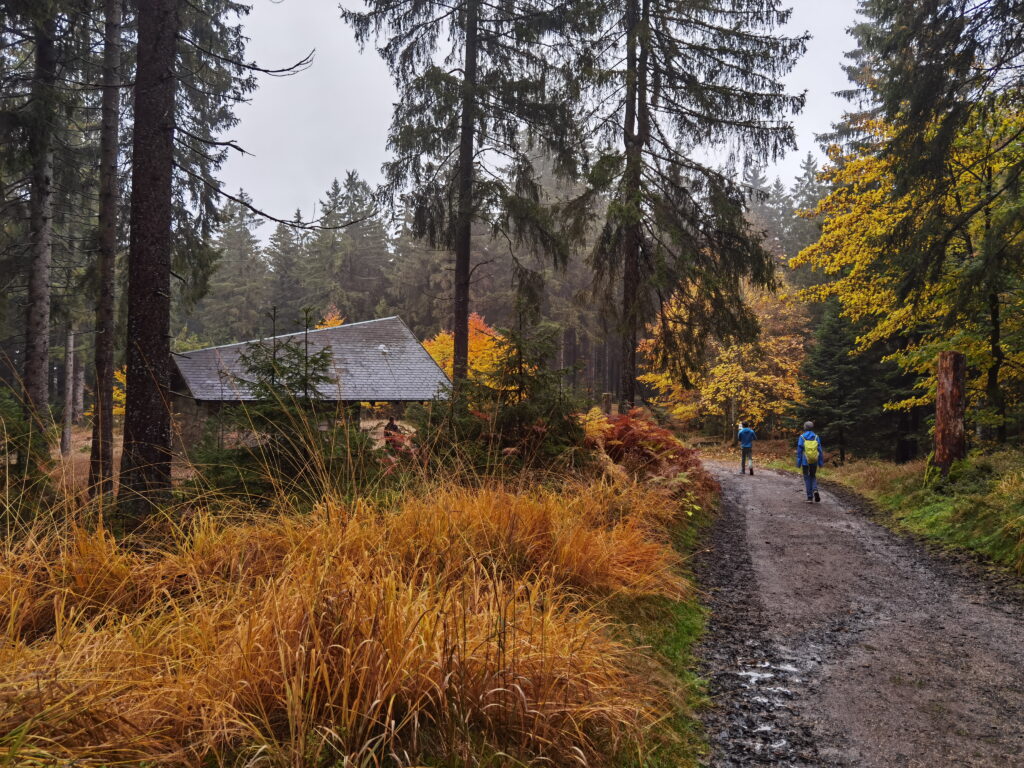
[809,456]
[746,436]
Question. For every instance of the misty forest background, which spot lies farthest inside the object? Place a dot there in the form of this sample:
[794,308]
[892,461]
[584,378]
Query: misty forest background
[565,192]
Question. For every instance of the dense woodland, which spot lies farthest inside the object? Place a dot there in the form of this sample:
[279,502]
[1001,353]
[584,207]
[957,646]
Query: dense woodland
[575,211]
[534,189]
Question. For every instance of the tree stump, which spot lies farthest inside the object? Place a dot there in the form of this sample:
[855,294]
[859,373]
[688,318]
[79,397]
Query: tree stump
[950,405]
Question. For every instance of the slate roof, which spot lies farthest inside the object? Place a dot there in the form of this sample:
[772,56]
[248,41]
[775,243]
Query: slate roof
[377,360]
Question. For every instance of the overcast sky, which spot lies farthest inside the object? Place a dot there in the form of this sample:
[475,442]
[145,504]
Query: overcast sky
[305,130]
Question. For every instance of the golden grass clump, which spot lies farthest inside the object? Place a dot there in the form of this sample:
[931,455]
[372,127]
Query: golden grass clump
[463,625]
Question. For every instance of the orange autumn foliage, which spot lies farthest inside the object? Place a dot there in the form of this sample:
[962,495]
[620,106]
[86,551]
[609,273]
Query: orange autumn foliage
[483,348]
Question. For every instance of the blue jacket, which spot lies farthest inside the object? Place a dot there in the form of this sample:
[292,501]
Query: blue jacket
[747,436]
[801,459]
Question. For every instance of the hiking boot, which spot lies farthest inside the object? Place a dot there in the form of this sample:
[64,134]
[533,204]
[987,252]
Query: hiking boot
[751,470]
[817,496]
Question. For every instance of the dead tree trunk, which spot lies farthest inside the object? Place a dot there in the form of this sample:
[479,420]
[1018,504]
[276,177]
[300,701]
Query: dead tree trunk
[146,461]
[101,458]
[37,325]
[950,405]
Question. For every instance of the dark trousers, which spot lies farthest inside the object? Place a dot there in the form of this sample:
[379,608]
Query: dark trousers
[810,479]
[745,454]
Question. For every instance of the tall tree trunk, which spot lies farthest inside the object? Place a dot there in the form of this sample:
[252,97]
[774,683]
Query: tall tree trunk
[950,403]
[37,321]
[993,389]
[78,401]
[146,461]
[69,392]
[464,220]
[636,127]
[101,459]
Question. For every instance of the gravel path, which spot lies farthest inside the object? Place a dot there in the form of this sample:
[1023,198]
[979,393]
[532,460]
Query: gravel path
[834,642]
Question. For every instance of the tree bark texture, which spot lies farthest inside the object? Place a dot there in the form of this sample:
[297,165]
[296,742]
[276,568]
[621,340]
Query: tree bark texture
[69,393]
[101,459]
[78,402]
[993,387]
[636,132]
[950,405]
[37,320]
[146,459]
[464,218]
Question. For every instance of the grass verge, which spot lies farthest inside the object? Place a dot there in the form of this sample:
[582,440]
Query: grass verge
[671,629]
[979,508]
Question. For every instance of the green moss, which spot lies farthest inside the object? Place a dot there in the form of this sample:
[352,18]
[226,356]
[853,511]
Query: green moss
[978,508]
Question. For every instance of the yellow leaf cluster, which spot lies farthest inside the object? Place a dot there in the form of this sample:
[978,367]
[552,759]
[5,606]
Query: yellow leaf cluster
[332,318]
[757,381]
[484,353]
[862,212]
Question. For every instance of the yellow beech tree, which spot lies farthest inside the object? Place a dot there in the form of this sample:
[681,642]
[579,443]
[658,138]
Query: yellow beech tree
[483,348]
[970,296]
[757,381]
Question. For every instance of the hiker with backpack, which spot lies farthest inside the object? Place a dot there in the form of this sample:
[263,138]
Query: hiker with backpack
[746,436]
[809,456]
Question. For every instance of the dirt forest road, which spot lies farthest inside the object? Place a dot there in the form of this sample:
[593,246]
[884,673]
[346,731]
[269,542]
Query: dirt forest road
[834,642]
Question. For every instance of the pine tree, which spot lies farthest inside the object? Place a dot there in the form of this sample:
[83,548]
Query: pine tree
[936,65]
[807,192]
[369,248]
[480,85]
[419,282]
[678,81]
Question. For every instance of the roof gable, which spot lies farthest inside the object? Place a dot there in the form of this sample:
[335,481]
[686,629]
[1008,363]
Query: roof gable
[376,360]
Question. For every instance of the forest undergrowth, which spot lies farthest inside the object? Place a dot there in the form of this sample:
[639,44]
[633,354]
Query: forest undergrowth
[979,508]
[500,622]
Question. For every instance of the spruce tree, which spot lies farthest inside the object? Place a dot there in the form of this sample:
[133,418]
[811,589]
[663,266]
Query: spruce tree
[680,80]
[101,460]
[833,380]
[286,257]
[235,305]
[329,255]
[146,460]
[190,72]
[807,191]
[781,219]
[481,85]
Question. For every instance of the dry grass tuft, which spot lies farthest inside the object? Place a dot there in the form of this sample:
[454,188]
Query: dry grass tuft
[462,625]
